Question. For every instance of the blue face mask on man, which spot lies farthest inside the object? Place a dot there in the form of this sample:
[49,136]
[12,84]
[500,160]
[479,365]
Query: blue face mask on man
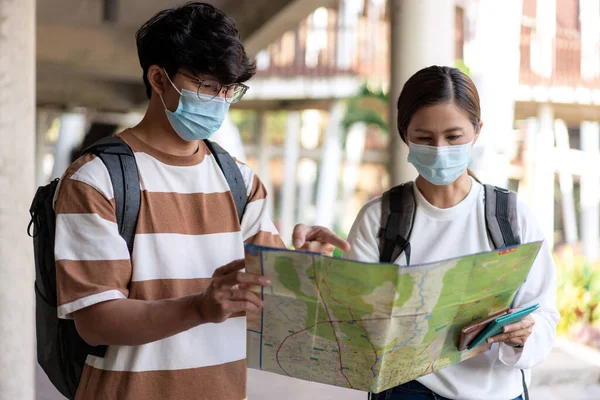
[197,116]
[440,165]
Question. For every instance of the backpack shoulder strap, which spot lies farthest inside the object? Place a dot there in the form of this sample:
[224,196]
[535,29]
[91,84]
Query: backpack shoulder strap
[503,226]
[233,175]
[120,162]
[398,209]
[501,216]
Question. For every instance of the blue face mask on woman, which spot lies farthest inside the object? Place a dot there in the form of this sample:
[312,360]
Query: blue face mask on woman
[440,165]
[197,116]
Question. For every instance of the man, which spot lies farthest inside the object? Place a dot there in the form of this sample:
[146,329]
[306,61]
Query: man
[172,315]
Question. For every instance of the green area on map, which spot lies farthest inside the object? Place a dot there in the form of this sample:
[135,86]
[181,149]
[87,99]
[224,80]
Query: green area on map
[371,327]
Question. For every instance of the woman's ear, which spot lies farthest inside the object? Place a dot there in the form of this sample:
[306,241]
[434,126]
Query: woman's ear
[477,132]
[157,79]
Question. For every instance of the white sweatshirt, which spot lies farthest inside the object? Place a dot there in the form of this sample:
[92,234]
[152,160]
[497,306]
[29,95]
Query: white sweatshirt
[439,234]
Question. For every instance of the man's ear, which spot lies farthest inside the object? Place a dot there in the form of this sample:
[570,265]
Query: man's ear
[157,78]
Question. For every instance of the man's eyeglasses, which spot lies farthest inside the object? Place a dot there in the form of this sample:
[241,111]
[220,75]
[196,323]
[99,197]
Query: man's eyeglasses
[208,87]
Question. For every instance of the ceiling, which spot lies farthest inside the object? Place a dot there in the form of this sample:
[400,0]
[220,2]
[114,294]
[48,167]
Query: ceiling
[86,54]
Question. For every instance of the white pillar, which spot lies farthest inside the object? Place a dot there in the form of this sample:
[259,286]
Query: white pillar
[307,177]
[264,156]
[228,136]
[496,83]
[543,204]
[355,148]
[590,191]
[331,158]
[307,169]
[527,183]
[72,131]
[288,192]
[17,179]
[422,34]
[565,182]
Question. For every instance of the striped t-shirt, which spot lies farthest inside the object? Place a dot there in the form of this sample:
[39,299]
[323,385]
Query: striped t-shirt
[187,228]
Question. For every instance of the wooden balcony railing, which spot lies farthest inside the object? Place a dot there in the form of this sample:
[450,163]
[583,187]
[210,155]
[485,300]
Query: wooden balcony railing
[327,51]
[560,64]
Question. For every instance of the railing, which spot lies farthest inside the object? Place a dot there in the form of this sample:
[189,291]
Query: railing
[363,51]
[557,62]
[327,51]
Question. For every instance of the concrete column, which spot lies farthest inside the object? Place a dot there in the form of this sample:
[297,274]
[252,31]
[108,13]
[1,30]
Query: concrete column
[72,131]
[228,136]
[307,177]
[331,159]
[565,182]
[17,179]
[496,83]
[422,34]
[355,148]
[288,192]
[543,203]
[264,156]
[527,183]
[590,191]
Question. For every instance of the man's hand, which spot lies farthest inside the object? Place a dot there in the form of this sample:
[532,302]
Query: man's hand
[228,293]
[515,334]
[317,239]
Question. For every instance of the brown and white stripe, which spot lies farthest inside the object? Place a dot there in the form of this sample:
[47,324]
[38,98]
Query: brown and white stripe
[187,228]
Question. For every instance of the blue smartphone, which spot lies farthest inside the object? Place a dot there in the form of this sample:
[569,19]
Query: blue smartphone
[495,328]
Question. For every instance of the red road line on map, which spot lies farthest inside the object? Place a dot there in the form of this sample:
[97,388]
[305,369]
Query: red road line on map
[502,278]
[329,290]
[312,326]
[357,324]
[286,338]
[331,323]
[426,347]
[368,340]
[429,366]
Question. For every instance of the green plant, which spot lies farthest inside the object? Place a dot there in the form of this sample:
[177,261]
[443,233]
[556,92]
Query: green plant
[246,123]
[578,294]
[369,107]
[460,64]
[337,252]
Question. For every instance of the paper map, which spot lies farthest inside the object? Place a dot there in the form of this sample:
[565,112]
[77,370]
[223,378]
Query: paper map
[371,327]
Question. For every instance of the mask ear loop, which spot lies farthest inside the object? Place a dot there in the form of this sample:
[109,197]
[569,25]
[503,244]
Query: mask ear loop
[174,87]
[171,82]
[163,101]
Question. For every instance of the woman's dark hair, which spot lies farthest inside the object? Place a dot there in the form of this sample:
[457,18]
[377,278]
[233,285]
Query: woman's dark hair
[197,37]
[435,85]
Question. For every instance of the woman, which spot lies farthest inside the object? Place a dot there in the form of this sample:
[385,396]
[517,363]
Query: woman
[439,119]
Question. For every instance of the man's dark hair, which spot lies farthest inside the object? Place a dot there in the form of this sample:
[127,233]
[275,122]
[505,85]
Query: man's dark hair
[197,37]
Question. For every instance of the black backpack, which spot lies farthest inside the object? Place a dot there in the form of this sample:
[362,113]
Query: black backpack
[61,351]
[398,210]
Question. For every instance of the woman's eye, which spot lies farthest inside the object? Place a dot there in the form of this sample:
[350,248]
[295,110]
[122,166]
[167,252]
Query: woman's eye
[453,137]
[424,139]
